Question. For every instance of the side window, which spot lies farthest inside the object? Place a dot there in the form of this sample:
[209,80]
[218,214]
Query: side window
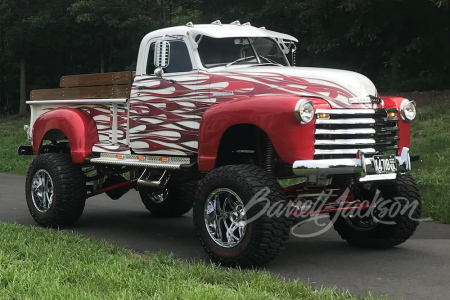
[151,60]
[179,60]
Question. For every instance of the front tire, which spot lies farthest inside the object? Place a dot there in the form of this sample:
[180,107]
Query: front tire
[221,216]
[389,230]
[55,190]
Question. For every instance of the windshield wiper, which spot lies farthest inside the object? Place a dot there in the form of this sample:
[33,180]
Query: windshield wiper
[270,61]
[238,60]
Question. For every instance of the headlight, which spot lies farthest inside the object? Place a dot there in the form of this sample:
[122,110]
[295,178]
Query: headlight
[408,110]
[304,111]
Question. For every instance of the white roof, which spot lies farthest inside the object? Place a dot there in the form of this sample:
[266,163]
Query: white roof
[223,31]
[227,30]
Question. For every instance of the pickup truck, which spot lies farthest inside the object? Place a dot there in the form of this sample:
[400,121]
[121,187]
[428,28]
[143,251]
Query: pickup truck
[214,118]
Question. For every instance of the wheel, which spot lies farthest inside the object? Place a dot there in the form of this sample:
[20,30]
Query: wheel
[55,190]
[228,227]
[393,221]
[173,201]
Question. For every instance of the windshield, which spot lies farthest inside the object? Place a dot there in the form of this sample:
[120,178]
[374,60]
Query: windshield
[229,51]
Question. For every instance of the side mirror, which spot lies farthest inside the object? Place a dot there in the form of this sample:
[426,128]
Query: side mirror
[162,54]
[159,73]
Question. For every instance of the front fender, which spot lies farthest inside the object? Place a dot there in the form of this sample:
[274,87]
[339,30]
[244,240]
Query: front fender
[77,125]
[403,126]
[272,114]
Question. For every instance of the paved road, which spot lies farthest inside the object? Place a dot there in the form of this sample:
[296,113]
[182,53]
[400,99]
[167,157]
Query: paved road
[419,269]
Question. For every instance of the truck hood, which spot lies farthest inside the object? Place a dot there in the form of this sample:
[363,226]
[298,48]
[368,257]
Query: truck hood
[334,86]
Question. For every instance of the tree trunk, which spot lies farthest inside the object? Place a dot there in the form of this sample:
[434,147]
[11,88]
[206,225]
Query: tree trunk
[2,68]
[23,87]
[111,53]
[163,14]
[102,63]
[395,57]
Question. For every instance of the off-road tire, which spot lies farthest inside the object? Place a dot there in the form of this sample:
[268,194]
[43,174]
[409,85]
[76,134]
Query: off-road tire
[264,237]
[179,201]
[384,235]
[69,190]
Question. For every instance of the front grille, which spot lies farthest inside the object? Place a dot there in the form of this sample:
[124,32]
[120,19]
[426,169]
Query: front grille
[348,130]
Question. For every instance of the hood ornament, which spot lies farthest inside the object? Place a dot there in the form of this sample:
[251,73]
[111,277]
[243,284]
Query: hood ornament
[365,100]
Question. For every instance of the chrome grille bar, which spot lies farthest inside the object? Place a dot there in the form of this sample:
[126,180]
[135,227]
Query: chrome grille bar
[345,151]
[346,131]
[346,142]
[347,121]
[346,111]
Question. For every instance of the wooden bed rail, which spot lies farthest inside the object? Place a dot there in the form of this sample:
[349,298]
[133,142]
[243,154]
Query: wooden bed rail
[89,86]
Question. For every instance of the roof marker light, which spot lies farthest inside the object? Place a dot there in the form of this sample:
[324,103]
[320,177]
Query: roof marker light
[190,24]
[236,23]
[263,28]
[217,22]
[247,24]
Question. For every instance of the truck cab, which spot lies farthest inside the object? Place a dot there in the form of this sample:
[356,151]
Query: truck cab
[215,118]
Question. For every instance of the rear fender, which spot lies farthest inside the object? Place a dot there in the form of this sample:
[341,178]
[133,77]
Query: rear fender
[78,126]
[275,115]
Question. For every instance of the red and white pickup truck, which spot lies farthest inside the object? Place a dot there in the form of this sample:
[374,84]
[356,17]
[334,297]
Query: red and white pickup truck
[212,118]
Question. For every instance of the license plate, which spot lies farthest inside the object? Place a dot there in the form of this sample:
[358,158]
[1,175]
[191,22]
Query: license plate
[384,164]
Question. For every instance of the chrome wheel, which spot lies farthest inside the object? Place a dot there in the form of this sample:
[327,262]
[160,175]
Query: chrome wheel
[159,196]
[225,217]
[42,191]
[362,224]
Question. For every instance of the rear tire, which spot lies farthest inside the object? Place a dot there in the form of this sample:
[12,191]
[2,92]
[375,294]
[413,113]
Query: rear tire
[55,190]
[220,216]
[173,201]
[381,235]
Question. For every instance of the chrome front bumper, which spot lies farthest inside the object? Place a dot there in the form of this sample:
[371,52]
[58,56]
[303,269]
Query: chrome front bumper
[362,166]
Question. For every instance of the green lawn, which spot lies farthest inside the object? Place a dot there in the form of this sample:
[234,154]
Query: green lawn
[36,263]
[12,136]
[430,134]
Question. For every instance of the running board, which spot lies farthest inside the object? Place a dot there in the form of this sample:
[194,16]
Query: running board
[141,161]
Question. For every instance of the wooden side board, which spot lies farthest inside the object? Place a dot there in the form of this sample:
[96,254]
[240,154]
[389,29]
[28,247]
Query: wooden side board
[89,86]
[95,92]
[112,78]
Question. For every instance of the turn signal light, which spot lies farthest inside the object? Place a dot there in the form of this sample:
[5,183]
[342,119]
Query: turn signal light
[141,158]
[119,156]
[324,116]
[392,114]
[164,159]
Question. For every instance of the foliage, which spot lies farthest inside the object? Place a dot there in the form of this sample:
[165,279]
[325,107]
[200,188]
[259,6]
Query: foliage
[399,44]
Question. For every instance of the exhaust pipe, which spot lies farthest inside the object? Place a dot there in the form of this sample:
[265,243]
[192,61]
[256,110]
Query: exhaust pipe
[161,183]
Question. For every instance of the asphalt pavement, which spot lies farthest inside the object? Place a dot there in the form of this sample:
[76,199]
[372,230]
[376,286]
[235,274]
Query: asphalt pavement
[418,269]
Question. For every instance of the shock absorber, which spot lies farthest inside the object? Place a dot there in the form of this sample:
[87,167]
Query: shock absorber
[270,157]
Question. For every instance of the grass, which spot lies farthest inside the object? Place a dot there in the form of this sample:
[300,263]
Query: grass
[44,264]
[12,136]
[430,138]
